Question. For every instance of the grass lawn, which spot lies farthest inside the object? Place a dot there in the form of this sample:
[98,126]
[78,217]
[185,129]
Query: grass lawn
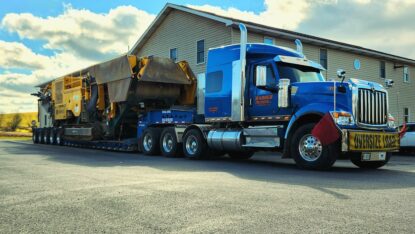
[24,126]
[14,138]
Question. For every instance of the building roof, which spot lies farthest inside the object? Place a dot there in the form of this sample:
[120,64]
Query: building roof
[259,28]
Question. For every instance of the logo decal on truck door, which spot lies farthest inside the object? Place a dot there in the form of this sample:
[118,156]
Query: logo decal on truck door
[263,100]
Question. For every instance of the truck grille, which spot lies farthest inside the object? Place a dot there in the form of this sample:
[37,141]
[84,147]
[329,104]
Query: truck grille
[372,107]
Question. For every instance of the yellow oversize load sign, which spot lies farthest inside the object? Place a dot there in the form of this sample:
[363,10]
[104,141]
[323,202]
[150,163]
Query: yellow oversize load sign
[373,141]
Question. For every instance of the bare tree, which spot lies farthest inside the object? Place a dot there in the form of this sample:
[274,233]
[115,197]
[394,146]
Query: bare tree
[16,120]
[1,119]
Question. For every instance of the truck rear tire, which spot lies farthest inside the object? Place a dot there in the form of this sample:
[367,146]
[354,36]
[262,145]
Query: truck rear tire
[194,145]
[169,146]
[242,155]
[357,160]
[150,141]
[308,152]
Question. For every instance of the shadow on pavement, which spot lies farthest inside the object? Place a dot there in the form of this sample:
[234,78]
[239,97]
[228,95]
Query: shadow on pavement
[259,168]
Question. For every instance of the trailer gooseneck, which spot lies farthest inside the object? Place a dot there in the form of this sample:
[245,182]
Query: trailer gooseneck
[255,97]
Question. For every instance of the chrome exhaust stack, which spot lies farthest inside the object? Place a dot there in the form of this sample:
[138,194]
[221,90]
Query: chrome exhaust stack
[239,80]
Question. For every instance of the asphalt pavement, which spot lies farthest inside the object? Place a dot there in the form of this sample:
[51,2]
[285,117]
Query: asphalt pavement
[58,189]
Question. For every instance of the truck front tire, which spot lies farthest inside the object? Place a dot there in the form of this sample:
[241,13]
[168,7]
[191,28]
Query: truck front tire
[150,141]
[308,152]
[356,159]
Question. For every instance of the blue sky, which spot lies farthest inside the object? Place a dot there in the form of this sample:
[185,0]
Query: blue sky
[43,39]
[50,8]
[54,7]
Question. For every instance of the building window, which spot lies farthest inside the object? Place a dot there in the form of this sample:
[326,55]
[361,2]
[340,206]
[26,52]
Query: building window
[406,114]
[406,74]
[357,64]
[323,58]
[382,70]
[269,40]
[201,51]
[173,54]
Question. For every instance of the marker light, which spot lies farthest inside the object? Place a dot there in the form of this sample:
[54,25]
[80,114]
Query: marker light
[342,118]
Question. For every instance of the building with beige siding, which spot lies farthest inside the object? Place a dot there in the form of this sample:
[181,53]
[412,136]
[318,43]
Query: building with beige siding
[182,33]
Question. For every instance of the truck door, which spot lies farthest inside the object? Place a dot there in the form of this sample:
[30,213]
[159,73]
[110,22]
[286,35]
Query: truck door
[263,101]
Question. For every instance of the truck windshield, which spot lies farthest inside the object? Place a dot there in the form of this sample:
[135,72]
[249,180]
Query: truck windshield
[297,73]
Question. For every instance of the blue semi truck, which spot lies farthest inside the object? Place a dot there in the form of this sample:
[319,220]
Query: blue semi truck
[258,97]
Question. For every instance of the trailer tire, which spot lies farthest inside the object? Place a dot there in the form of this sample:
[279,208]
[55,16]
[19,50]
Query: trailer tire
[313,155]
[194,145]
[38,135]
[46,136]
[150,141]
[34,136]
[241,155]
[52,136]
[169,146]
[59,136]
[357,160]
[41,135]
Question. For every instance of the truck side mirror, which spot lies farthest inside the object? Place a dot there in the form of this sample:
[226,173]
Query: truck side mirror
[261,76]
[261,80]
[341,74]
[389,83]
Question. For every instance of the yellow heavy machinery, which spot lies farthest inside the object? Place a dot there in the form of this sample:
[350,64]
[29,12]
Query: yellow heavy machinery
[103,102]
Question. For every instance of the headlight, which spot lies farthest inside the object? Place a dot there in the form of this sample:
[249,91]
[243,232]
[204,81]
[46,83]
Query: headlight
[342,118]
[391,121]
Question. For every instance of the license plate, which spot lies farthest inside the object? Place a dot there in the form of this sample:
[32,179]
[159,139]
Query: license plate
[373,141]
[374,156]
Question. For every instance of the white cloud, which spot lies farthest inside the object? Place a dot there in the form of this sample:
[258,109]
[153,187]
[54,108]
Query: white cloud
[78,39]
[15,101]
[17,55]
[386,26]
[286,14]
[82,32]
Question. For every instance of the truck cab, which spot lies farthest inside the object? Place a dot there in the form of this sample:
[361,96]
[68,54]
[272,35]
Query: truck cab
[267,66]
[266,97]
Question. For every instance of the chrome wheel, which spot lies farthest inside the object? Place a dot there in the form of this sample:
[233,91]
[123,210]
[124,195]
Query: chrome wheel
[147,142]
[45,138]
[51,138]
[191,145]
[168,142]
[310,148]
[58,139]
